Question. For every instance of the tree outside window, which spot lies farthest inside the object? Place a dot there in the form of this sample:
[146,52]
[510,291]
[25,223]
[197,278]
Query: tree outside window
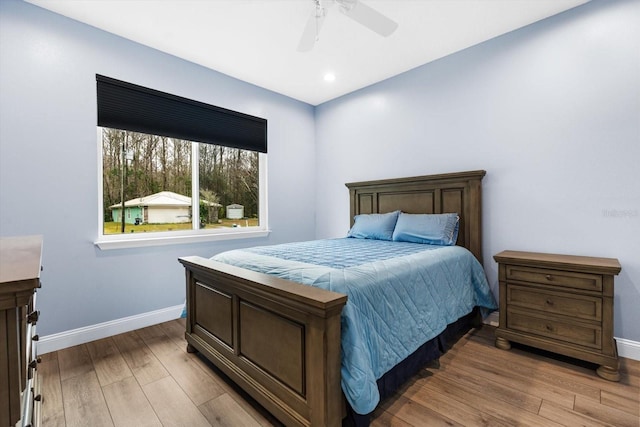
[150,179]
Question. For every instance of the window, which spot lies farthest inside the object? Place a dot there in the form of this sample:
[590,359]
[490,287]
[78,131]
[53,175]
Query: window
[189,179]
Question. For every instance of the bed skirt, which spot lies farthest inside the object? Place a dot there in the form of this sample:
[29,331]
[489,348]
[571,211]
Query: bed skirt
[390,382]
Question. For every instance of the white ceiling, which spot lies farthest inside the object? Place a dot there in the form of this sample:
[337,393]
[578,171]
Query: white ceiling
[256,40]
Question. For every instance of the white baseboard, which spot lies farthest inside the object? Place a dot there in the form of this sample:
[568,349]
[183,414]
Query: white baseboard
[629,349]
[626,348]
[493,319]
[86,334]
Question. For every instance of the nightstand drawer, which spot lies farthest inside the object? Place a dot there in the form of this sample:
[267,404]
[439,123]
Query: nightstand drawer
[567,332]
[589,282]
[575,306]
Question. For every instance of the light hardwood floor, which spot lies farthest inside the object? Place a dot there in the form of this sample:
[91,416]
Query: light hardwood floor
[146,378]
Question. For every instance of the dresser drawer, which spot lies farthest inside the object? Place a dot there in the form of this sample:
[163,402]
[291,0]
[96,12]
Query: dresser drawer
[576,306]
[567,332]
[568,279]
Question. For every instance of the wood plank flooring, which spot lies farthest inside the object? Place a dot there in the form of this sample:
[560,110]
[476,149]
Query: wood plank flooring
[146,378]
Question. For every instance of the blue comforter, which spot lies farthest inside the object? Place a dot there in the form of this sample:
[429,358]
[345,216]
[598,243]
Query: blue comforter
[400,295]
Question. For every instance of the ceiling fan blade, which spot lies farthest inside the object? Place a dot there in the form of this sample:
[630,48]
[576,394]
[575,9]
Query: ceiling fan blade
[311,30]
[368,17]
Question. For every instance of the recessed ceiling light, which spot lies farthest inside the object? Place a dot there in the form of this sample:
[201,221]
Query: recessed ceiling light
[329,77]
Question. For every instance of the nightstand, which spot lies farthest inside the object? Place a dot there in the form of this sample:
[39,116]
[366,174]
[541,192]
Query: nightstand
[559,303]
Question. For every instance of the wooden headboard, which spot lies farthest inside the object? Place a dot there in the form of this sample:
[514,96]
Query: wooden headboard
[459,192]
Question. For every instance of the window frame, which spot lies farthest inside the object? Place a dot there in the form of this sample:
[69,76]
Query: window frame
[196,234]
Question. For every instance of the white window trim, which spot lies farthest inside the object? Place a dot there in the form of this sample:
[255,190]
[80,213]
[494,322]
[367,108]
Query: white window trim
[123,241]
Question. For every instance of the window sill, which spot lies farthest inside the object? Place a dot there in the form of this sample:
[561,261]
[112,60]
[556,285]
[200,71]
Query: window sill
[126,241]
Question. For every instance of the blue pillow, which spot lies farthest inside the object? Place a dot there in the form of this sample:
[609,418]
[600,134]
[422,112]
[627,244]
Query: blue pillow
[432,229]
[374,226]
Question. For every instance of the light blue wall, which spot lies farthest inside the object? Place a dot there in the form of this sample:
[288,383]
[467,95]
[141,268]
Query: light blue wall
[551,112]
[48,163]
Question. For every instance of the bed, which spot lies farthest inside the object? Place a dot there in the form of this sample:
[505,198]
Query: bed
[284,339]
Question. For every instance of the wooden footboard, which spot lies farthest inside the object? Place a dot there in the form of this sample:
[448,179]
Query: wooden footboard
[277,339]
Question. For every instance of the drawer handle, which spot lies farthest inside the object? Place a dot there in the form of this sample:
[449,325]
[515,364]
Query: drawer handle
[549,328]
[34,363]
[33,316]
[550,302]
[549,277]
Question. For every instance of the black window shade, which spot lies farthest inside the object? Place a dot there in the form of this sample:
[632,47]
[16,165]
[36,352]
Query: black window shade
[126,106]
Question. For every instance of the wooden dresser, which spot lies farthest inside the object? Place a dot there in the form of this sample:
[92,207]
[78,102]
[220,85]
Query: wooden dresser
[559,303]
[20,265]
